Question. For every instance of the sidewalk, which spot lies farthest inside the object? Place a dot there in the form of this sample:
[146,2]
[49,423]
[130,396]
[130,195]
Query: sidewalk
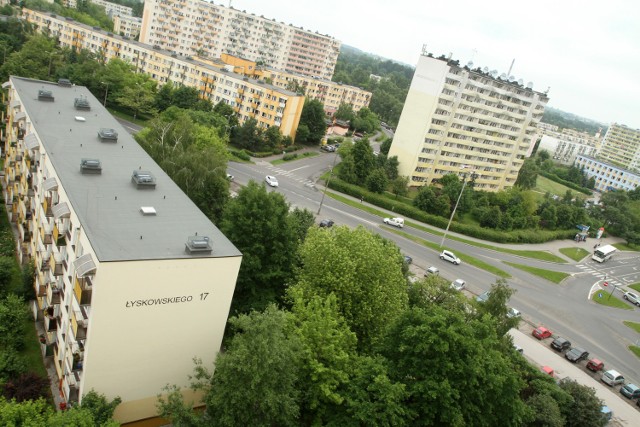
[624,410]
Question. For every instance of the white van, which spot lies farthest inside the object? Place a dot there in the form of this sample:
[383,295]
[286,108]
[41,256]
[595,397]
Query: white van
[612,378]
[450,256]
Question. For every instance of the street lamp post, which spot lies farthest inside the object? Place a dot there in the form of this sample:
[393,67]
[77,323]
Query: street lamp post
[50,60]
[328,181]
[105,93]
[464,183]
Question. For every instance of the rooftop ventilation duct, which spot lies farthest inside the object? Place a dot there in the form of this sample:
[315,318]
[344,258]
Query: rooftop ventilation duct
[91,166]
[108,134]
[82,104]
[143,179]
[199,245]
[45,95]
[64,82]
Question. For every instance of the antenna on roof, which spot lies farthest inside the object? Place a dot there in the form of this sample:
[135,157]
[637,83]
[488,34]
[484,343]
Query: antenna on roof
[424,49]
[511,67]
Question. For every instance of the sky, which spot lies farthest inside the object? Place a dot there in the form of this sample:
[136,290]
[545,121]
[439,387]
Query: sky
[586,52]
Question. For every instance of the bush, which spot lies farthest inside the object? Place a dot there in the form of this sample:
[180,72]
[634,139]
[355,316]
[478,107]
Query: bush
[26,386]
[288,157]
[240,155]
[12,365]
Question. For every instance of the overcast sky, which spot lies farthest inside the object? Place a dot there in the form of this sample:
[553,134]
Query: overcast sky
[587,52]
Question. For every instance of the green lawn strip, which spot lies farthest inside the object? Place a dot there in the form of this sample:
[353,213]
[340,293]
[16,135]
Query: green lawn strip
[635,350]
[302,156]
[627,247]
[633,325]
[552,276]
[635,286]
[575,254]
[31,351]
[128,117]
[539,255]
[468,259]
[610,300]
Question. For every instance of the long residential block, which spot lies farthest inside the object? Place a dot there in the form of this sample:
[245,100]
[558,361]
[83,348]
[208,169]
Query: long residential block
[132,280]
[621,147]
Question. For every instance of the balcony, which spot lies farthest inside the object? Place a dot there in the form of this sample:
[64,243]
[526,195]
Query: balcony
[53,296]
[59,236]
[57,264]
[45,235]
[50,322]
[83,290]
[80,322]
[46,207]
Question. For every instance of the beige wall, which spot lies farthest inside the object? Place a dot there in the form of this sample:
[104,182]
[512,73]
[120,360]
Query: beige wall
[125,338]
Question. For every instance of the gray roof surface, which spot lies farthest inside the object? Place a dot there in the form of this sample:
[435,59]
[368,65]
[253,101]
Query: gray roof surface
[108,204]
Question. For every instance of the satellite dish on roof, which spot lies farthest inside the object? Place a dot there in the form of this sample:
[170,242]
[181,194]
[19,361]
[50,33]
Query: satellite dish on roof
[520,81]
[485,69]
[529,85]
[503,76]
[511,78]
[493,73]
[470,64]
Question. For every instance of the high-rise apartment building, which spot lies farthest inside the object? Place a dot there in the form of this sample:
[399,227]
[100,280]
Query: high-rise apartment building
[190,27]
[457,119]
[565,146]
[250,98]
[128,26]
[621,147]
[132,280]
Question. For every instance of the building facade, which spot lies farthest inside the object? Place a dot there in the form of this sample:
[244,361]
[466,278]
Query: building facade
[113,9]
[269,105]
[608,176]
[132,279]
[565,146]
[190,27]
[621,147]
[457,120]
[128,26]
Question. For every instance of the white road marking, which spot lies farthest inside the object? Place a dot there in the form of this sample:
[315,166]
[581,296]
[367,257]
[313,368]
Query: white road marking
[301,167]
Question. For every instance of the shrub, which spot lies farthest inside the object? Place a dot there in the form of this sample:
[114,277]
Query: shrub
[12,364]
[240,155]
[288,157]
[26,386]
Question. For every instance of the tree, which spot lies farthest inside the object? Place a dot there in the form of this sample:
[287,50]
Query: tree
[377,181]
[139,98]
[385,146]
[7,272]
[363,159]
[399,186]
[391,167]
[528,174]
[32,60]
[344,113]
[26,386]
[584,408]
[13,312]
[39,413]
[257,222]
[247,135]
[100,408]
[301,220]
[273,137]
[544,411]
[12,364]
[496,307]
[313,117]
[441,206]
[425,199]
[365,275]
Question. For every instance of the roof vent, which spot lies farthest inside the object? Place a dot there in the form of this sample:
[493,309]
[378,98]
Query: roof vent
[82,104]
[64,82]
[156,47]
[143,179]
[148,210]
[198,244]
[45,95]
[91,166]
[80,119]
[108,134]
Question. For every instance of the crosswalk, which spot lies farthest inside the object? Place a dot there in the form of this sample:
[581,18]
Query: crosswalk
[278,172]
[599,274]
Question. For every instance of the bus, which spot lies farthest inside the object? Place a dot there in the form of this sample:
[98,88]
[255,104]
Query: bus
[603,253]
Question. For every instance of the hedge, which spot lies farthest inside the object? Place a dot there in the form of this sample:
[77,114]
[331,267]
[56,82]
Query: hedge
[409,211]
[572,185]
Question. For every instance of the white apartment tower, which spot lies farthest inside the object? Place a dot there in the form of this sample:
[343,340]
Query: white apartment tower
[197,27]
[457,120]
[132,280]
[621,147]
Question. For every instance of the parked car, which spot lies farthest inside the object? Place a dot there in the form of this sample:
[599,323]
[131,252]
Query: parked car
[561,344]
[548,370]
[326,223]
[612,377]
[328,148]
[518,348]
[431,270]
[632,298]
[396,222]
[513,312]
[541,333]
[407,259]
[576,354]
[458,284]
[450,256]
[230,177]
[271,180]
[630,390]
[595,365]
[483,296]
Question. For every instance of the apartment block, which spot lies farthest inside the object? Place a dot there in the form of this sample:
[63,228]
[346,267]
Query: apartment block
[190,27]
[457,119]
[128,26]
[565,146]
[269,105]
[608,176]
[621,147]
[132,280]
[113,9]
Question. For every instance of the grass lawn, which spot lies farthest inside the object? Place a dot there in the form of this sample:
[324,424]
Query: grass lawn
[633,325]
[545,184]
[31,351]
[635,286]
[541,255]
[302,156]
[610,301]
[552,276]
[635,350]
[575,254]
[127,117]
[627,247]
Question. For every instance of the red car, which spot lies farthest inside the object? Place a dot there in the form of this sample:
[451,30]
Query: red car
[541,333]
[595,365]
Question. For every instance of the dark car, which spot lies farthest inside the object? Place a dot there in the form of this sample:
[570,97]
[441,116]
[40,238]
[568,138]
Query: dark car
[576,354]
[407,259]
[630,390]
[326,223]
[561,344]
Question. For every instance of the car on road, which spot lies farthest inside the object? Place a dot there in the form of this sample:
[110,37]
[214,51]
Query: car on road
[561,344]
[230,177]
[431,271]
[483,296]
[612,377]
[630,390]
[450,256]
[576,354]
[541,333]
[518,348]
[407,259]
[396,222]
[513,312]
[271,180]
[328,223]
[595,365]
[548,370]
[328,148]
[632,298]
[458,284]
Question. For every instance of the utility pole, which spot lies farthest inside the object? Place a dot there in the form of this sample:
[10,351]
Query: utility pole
[328,181]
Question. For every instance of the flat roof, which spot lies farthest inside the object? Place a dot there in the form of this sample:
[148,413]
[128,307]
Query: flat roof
[109,204]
